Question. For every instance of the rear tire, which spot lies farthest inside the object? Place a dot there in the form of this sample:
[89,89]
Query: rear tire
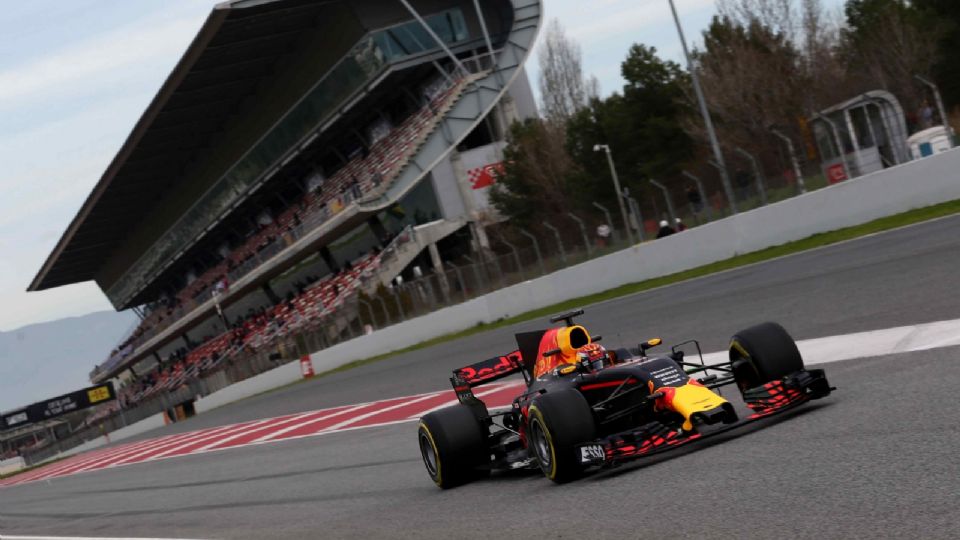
[556,423]
[763,353]
[453,444]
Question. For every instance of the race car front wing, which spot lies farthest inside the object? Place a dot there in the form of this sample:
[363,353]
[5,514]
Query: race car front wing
[655,437]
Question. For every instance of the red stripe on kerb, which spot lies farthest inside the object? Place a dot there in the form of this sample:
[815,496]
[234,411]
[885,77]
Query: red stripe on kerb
[406,411]
[316,427]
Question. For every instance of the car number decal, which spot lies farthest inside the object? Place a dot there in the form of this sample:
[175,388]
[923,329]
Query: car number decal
[592,453]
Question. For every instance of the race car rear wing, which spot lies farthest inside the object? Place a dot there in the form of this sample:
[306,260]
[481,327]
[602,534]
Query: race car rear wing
[489,370]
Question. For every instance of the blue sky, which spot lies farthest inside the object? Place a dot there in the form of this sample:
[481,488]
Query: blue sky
[75,77]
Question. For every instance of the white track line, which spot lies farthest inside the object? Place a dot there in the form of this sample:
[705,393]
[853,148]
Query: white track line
[487,390]
[235,436]
[288,429]
[815,351]
[213,434]
[72,466]
[337,427]
[11,537]
[142,448]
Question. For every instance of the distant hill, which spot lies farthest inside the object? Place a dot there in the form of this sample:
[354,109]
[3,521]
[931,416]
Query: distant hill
[52,358]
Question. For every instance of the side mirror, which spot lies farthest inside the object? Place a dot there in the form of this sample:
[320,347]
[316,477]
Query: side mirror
[649,344]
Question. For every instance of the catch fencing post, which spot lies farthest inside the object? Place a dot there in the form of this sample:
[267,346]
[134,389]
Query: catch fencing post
[757,173]
[702,192]
[481,282]
[556,234]
[583,231]
[463,285]
[386,314]
[606,213]
[801,186]
[396,298]
[516,257]
[369,312]
[666,197]
[840,148]
[940,107]
[536,249]
[731,196]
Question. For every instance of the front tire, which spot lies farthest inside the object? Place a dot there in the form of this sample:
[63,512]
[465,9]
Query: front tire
[453,445]
[763,353]
[556,423]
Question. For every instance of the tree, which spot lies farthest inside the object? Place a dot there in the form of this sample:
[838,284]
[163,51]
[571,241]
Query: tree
[752,74]
[643,127]
[536,168]
[563,90]
[943,16]
[888,42]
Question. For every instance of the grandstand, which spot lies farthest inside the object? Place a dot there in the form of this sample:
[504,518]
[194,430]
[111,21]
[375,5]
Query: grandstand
[296,157]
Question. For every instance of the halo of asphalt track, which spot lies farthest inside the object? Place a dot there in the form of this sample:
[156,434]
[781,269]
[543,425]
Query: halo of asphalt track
[876,459]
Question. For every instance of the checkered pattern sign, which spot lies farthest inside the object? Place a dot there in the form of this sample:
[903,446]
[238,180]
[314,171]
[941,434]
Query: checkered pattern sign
[484,176]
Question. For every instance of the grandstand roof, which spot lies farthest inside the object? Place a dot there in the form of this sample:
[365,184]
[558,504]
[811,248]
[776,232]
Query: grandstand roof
[234,51]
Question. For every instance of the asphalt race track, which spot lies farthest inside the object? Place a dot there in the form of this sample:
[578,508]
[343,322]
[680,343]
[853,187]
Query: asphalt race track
[877,459]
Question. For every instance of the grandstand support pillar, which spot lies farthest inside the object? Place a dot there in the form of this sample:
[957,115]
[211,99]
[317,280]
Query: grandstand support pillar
[509,110]
[379,231]
[438,269]
[328,258]
[481,243]
[268,290]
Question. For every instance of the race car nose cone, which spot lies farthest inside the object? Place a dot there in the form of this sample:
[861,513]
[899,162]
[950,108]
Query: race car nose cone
[723,413]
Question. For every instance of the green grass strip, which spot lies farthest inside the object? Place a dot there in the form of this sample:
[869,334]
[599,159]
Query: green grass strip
[818,240]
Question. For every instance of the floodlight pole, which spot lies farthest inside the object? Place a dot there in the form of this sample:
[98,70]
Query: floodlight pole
[793,160]
[616,186]
[711,133]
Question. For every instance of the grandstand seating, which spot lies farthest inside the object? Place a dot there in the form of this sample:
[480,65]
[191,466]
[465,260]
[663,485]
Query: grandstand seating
[362,176]
[311,306]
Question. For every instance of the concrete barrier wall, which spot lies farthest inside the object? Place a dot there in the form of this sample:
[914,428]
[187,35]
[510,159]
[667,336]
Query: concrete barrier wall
[8,466]
[920,183]
[137,428]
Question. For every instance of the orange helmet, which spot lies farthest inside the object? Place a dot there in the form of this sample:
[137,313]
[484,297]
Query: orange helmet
[593,353]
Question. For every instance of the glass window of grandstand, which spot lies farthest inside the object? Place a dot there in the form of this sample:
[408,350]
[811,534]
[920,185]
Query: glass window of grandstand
[354,245]
[410,37]
[416,208]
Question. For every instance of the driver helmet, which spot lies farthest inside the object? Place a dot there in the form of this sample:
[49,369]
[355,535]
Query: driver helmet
[594,354]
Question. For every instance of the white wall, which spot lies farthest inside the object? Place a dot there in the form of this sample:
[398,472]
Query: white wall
[920,183]
[8,466]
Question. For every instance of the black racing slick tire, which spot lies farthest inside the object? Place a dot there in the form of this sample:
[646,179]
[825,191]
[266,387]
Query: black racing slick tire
[763,353]
[453,445]
[556,423]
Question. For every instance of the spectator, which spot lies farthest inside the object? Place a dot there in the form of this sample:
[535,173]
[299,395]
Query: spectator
[665,229]
[680,225]
[695,200]
[603,234]
[926,115]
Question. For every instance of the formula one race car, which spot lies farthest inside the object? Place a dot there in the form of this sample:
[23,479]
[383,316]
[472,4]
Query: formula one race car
[585,407]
